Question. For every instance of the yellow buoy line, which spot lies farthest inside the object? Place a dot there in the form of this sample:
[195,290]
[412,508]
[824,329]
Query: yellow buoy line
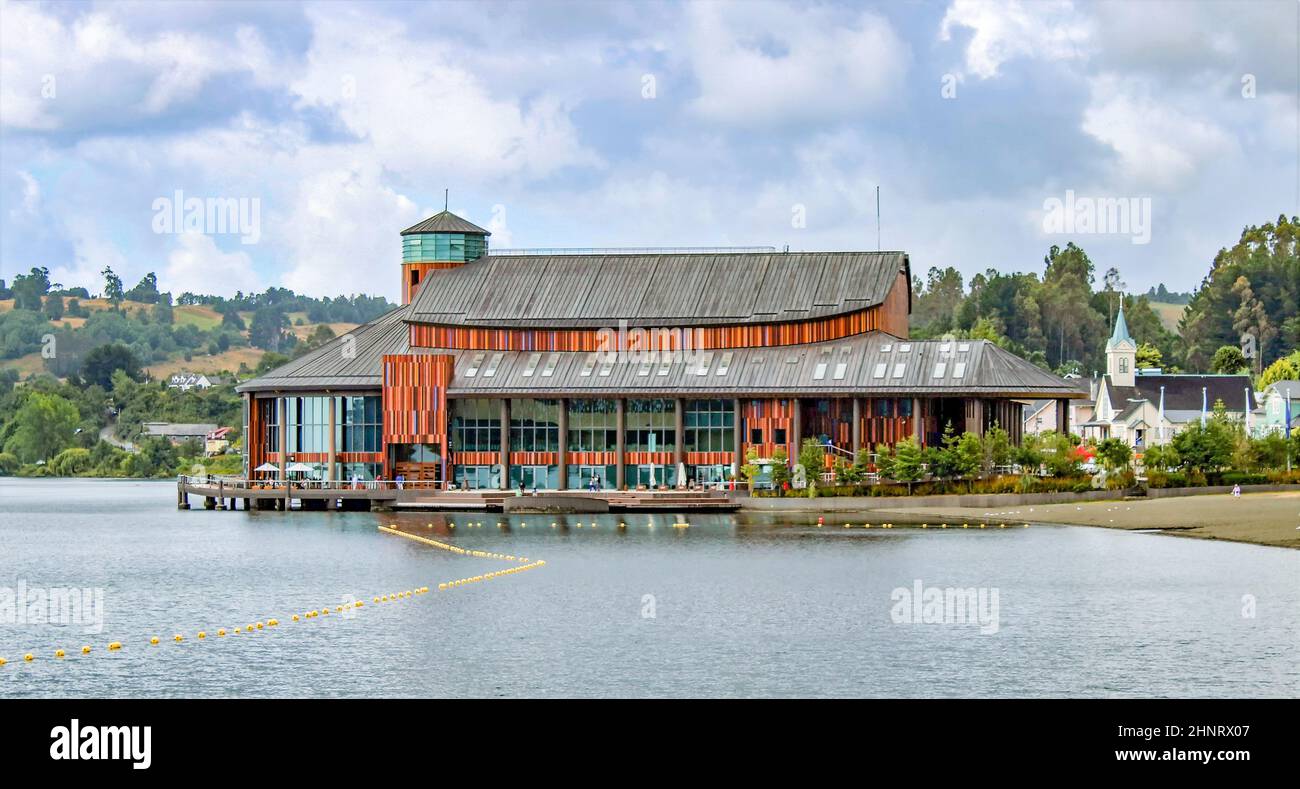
[521,564]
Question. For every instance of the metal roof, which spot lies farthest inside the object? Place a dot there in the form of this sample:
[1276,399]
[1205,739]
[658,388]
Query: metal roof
[445,222]
[597,291]
[869,364]
[350,361]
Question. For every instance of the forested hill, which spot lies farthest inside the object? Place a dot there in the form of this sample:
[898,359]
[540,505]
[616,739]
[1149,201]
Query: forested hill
[1062,318]
[47,327]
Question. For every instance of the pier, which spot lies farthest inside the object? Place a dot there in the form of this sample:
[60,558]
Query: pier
[232,493]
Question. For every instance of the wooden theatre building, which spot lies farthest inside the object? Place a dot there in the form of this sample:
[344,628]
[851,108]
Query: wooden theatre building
[630,367]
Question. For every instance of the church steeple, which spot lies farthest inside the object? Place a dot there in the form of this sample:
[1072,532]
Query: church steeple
[1121,352]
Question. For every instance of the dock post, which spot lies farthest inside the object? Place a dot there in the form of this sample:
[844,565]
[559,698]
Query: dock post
[221,494]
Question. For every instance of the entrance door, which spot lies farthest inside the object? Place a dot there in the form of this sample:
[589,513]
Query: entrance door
[534,477]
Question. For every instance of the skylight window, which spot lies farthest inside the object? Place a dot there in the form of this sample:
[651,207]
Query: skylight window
[904,347]
[665,366]
[819,370]
[940,368]
[706,359]
[959,370]
[963,347]
[551,361]
[531,367]
[588,365]
[842,365]
[886,347]
[493,364]
[879,372]
[725,364]
[605,369]
[898,370]
[474,364]
[644,369]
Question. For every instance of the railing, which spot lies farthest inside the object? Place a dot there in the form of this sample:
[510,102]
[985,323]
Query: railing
[239,483]
[631,251]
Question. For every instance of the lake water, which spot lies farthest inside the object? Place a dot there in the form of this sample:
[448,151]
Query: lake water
[750,605]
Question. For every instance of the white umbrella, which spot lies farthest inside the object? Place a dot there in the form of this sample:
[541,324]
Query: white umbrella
[267,467]
[302,468]
[681,475]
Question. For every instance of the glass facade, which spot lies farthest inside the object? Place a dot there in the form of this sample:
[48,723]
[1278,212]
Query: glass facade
[710,426]
[535,426]
[475,425]
[580,476]
[539,477]
[358,428]
[593,426]
[646,418]
[452,247]
[477,477]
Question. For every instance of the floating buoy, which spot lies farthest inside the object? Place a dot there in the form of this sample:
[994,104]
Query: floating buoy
[58,653]
[153,640]
[202,635]
[29,657]
[237,631]
[272,622]
[259,625]
[3,661]
[85,650]
[178,638]
[442,586]
[295,617]
[115,646]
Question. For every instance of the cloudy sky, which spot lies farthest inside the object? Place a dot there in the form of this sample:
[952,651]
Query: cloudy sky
[607,124]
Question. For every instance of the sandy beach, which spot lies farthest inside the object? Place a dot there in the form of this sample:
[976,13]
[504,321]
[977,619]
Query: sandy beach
[1259,518]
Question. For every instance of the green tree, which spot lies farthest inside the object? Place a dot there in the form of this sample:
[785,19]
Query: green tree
[1114,454]
[884,461]
[997,450]
[1149,355]
[969,455]
[112,287]
[45,424]
[71,462]
[812,455]
[1285,369]
[1229,360]
[100,364]
[53,307]
[1161,457]
[267,330]
[780,467]
[751,469]
[30,289]
[907,463]
[1206,448]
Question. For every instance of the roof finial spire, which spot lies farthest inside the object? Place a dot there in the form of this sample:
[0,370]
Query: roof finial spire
[446,199]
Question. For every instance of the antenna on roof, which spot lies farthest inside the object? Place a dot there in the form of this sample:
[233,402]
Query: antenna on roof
[877,218]
[446,198]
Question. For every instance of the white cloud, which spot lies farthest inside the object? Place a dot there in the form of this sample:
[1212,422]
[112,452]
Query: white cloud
[778,63]
[1003,30]
[54,73]
[1159,145]
[421,114]
[197,265]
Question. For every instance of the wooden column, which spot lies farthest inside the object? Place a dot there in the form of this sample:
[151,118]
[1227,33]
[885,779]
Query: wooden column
[679,445]
[975,424]
[563,463]
[283,406]
[918,420]
[505,443]
[1062,415]
[620,425]
[333,453]
[857,426]
[796,429]
[738,435]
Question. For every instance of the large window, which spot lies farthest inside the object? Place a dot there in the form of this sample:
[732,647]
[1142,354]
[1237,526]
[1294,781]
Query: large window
[646,418]
[361,424]
[308,424]
[269,414]
[476,425]
[710,426]
[535,425]
[593,426]
[455,247]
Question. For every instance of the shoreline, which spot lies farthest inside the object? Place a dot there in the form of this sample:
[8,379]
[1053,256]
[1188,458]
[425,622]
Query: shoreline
[1268,519]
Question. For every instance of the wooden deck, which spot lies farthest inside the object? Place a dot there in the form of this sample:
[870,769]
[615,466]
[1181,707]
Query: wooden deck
[226,493]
